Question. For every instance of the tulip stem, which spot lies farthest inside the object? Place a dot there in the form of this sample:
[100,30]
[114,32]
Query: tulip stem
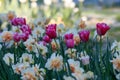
[101,61]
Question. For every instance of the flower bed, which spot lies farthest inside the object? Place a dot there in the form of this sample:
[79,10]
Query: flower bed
[32,52]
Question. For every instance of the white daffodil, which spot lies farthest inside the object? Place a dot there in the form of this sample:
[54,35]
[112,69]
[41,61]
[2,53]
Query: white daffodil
[60,29]
[28,74]
[55,62]
[74,65]
[31,45]
[8,58]
[39,72]
[43,49]
[19,67]
[37,32]
[6,36]
[85,60]
[116,62]
[26,58]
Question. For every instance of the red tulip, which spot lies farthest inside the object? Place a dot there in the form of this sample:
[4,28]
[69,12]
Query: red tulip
[51,31]
[68,36]
[102,28]
[47,39]
[84,35]
[70,43]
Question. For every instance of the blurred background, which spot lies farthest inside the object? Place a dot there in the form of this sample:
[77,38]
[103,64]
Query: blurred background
[70,13]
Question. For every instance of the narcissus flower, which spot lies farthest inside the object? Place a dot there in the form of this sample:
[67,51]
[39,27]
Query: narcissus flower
[55,62]
[102,28]
[6,36]
[26,58]
[85,60]
[8,58]
[28,74]
[116,63]
[84,35]
[19,67]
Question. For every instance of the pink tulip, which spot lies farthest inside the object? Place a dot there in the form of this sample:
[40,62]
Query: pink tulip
[25,29]
[24,36]
[51,31]
[16,37]
[18,21]
[102,28]
[68,36]
[70,43]
[47,39]
[84,35]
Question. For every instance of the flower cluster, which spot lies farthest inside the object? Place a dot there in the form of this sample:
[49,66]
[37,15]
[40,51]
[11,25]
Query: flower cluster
[25,29]
[48,53]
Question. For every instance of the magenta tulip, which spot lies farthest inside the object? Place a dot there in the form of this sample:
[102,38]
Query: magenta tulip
[84,35]
[68,36]
[70,43]
[102,28]
[25,29]
[24,36]
[18,21]
[16,37]
[51,31]
[47,39]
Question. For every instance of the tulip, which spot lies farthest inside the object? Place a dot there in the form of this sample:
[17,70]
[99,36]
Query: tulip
[51,26]
[102,28]
[25,29]
[70,43]
[68,36]
[24,36]
[18,21]
[84,35]
[47,39]
[16,37]
[51,31]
